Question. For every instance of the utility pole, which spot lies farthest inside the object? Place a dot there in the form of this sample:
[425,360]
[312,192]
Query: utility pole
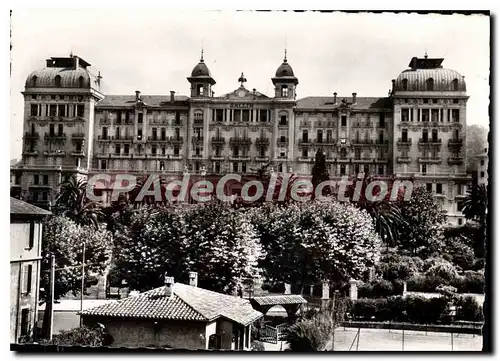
[50,304]
[334,319]
[83,283]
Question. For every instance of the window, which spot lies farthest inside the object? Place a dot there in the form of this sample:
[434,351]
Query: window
[319,136]
[424,168]
[284,90]
[139,134]
[235,167]
[460,206]
[343,153]
[126,149]
[25,312]
[155,135]
[430,84]
[177,118]
[342,169]
[381,138]
[439,188]
[58,81]
[78,147]
[329,137]
[343,121]
[36,179]
[27,278]
[104,132]
[45,179]
[425,115]
[61,110]
[263,116]
[455,101]
[176,150]
[140,118]
[103,164]
[163,134]
[305,136]
[429,187]
[459,221]
[366,169]
[163,151]
[60,129]
[52,110]
[243,167]
[33,80]
[217,167]
[482,162]
[425,135]
[357,153]
[380,169]
[117,149]
[454,85]
[198,117]
[381,123]
[455,115]
[80,82]
[153,150]
[162,165]
[80,109]
[404,135]
[245,115]
[356,168]
[482,174]
[31,239]
[262,152]
[283,120]
[197,151]
[282,139]
[199,89]
[405,115]
[34,110]
[117,133]
[304,152]
[435,135]
[404,84]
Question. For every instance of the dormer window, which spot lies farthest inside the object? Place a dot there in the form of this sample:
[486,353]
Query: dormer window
[430,84]
[284,91]
[58,81]
[34,79]
[80,82]
[454,84]
[404,84]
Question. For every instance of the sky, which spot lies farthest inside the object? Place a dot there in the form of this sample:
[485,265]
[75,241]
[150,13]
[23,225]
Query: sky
[154,50]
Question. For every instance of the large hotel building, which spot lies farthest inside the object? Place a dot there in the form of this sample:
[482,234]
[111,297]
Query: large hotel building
[70,127]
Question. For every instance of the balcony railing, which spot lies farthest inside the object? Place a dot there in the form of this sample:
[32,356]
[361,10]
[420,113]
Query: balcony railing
[432,141]
[403,159]
[240,141]
[30,152]
[31,135]
[361,141]
[152,138]
[262,141]
[217,157]
[77,153]
[262,159]
[381,142]
[455,160]
[176,139]
[429,160]
[406,141]
[60,137]
[196,139]
[78,136]
[218,140]
[455,142]
[280,141]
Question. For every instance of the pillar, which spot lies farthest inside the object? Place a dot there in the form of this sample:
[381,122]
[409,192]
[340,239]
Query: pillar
[325,297]
[288,289]
[353,291]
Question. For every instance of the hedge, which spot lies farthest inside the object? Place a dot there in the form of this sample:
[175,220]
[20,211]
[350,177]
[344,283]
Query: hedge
[415,309]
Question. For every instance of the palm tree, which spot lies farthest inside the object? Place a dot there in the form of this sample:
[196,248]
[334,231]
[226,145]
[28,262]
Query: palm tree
[476,203]
[73,203]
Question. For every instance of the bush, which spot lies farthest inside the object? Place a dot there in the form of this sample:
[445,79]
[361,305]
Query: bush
[310,334]
[258,346]
[83,336]
[468,309]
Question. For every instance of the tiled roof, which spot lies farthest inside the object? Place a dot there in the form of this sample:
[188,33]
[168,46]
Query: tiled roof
[279,300]
[129,100]
[185,303]
[362,103]
[18,207]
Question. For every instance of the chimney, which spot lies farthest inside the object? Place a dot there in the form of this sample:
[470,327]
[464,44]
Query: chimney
[288,289]
[335,98]
[169,285]
[393,83]
[137,95]
[172,96]
[76,61]
[193,279]
[353,98]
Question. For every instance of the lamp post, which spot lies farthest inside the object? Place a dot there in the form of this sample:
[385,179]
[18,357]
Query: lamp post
[83,282]
[334,319]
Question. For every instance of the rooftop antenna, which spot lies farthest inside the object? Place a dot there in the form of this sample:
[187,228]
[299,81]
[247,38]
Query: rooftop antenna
[285,49]
[201,59]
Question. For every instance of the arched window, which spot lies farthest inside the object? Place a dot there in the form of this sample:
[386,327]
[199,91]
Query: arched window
[404,84]
[198,117]
[34,79]
[430,84]
[80,82]
[58,81]
[454,84]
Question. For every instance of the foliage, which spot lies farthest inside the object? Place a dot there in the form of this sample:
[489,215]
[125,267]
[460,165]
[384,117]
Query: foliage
[413,309]
[310,334]
[423,232]
[468,309]
[63,238]
[397,267]
[476,203]
[258,346]
[320,173]
[459,253]
[72,202]
[82,336]
[212,239]
[310,241]
[378,288]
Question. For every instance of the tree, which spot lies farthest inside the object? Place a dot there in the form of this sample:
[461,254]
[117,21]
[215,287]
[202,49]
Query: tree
[72,202]
[310,334]
[212,239]
[82,336]
[476,204]
[320,173]
[64,239]
[306,242]
[423,232]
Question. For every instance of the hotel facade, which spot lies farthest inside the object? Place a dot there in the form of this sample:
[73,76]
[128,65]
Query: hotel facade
[417,132]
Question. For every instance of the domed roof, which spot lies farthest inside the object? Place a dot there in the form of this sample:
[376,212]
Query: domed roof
[201,69]
[428,75]
[59,77]
[284,70]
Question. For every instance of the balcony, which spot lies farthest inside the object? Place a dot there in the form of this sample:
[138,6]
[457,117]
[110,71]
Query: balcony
[435,141]
[380,143]
[218,140]
[406,141]
[153,138]
[403,159]
[30,152]
[122,138]
[55,137]
[305,124]
[455,160]
[239,157]
[31,136]
[261,141]
[103,137]
[305,159]
[282,125]
[362,160]
[78,136]
[262,159]
[197,140]
[77,153]
[455,142]
[175,156]
[282,142]
[176,140]
[240,141]
[431,160]
[196,156]
[198,123]
[54,153]
[361,141]
[306,142]
[217,157]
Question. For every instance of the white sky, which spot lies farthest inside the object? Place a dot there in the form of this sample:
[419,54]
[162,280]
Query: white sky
[154,50]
